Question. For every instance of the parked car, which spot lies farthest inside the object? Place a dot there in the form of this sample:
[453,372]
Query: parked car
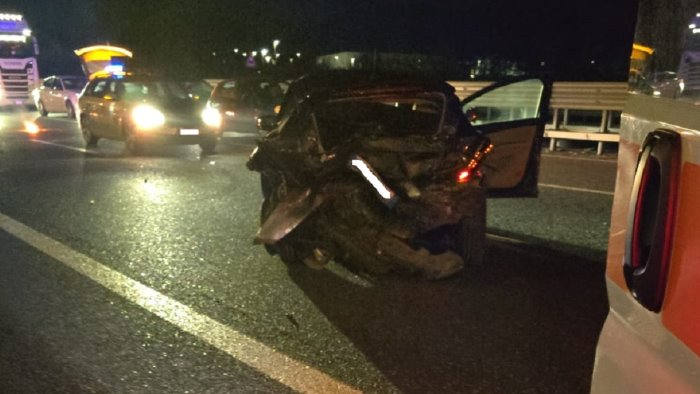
[59,93]
[385,173]
[242,101]
[145,110]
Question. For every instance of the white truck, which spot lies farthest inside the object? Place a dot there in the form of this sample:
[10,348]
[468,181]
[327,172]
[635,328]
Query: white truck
[19,72]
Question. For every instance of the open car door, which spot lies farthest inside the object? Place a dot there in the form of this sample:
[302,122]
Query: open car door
[513,116]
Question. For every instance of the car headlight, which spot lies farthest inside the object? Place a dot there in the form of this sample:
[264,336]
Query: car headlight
[211,117]
[147,117]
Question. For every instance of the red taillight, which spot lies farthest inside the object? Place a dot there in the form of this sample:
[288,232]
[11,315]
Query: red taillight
[464,176]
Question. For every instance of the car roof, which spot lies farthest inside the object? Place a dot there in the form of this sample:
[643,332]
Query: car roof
[341,82]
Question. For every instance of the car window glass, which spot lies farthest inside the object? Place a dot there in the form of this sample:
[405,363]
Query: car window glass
[74,84]
[512,102]
[100,89]
[665,61]
[378,116]
[48,83]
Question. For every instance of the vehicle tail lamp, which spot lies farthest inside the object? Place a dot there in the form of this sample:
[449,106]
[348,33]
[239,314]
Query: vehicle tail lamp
[473,156]
[464,175]
[651,218]
[211,117]
[147,117]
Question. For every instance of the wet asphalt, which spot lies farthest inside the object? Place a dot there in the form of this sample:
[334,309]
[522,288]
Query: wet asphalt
[183,225]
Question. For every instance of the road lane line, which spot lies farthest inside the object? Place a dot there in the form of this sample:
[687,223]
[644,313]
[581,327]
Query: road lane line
[83,150]
[576,189]
[274,364]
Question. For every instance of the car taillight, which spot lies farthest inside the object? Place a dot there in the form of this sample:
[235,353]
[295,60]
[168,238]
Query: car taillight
[474,154]
[464,176]
[652,218]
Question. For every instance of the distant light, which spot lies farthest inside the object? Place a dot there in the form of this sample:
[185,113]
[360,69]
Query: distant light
[10,17]
[235,50]
[298,54]
[268,58]
[115,68]
[275,43]
[213,53]
[542,63]
[336,57]
[27,32]
[245,54]
[12,38]
[692,26]
[592,61]
[254,53]
[31,127]
[696,31]
[352,61]
[264,52]
[277,55]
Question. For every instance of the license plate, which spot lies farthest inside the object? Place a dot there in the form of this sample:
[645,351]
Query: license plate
[189,132]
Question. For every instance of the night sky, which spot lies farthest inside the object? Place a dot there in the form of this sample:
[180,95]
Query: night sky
[566,35]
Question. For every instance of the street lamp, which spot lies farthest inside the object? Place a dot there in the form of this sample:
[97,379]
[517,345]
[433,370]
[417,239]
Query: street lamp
[275,43]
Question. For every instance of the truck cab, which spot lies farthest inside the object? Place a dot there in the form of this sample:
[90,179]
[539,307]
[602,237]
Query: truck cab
[19,72]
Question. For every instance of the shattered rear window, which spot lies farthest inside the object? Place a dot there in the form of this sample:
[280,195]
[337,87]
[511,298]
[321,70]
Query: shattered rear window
[378,116]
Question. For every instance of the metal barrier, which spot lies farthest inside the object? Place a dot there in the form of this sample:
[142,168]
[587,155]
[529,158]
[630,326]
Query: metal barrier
[606,97]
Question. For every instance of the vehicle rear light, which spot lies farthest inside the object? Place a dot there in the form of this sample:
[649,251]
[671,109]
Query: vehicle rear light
[652,218]
[464,176]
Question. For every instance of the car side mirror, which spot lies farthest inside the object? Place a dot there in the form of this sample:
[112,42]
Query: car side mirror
[267,122]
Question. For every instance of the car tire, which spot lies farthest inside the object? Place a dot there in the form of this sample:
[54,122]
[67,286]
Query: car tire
[70,110]
[471,236]
[208,145]
[133,145]
[88,136]
[42,108]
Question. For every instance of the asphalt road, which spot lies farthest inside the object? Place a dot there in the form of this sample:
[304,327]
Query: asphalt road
[124,274]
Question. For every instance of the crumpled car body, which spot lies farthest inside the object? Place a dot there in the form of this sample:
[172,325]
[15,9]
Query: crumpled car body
[388,174]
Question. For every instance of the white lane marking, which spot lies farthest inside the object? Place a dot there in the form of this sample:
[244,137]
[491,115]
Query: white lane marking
[236,134]
[274,364]
[62,146]
[577,189]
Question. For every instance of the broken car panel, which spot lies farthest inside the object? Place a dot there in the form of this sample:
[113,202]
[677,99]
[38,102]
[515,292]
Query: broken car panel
[385,174]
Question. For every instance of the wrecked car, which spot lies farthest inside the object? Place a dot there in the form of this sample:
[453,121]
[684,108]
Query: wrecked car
[392,174]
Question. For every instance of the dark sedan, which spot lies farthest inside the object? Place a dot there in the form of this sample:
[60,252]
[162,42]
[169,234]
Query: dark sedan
[242,101]
[145,110]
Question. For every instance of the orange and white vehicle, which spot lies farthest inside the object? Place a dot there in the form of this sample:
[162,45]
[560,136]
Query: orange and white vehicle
[650,342]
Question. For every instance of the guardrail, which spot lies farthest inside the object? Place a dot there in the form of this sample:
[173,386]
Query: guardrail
[605,98]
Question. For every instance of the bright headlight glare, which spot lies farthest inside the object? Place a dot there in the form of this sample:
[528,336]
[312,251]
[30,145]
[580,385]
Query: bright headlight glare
[147,117]
[211,117]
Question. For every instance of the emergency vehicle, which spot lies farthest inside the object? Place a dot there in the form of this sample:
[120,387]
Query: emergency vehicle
[103,59]
[650,342]
[19,73]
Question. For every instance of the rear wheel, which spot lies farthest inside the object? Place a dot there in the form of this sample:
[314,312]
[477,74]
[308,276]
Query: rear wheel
[70,110]
[208,145]
[42,108]
[88,136]
[470,243]
[132,143]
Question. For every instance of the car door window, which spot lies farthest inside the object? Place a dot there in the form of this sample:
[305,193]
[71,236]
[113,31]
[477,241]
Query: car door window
[48,83]
[100,89]
[513,102]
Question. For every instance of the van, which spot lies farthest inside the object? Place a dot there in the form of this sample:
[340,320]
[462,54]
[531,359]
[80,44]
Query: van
[650,342]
